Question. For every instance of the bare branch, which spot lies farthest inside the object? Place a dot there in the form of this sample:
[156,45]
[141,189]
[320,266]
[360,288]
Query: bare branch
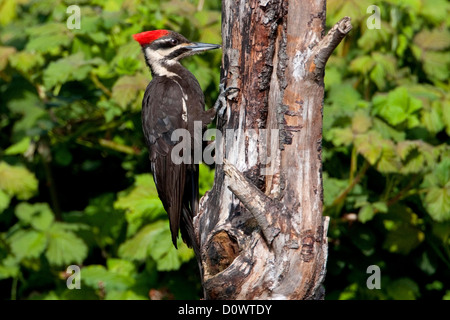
[326,46]
[258,203]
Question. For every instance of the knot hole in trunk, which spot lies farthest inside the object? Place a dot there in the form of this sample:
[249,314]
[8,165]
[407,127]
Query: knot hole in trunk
[221,252]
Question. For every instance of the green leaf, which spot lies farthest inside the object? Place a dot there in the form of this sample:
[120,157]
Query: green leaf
[98,37]
[106,223]
[332,188]
[58,72]
[124,295]
[385,69]
[437,202]
[403,289]
[447,295]
[137,247]
[50,43]
[64,247]
[349,293]
[38,215]
[397,107]
[368,144]
[120,266]
[404,148]
[434,39]
[5,52]
[389,162]
[446,115]
[378,75]
[127,66]
[344,95]
[437,199]
[71,68]
[17,181]
[386,131]
[362,64]
[8,11]
[416,156]
[441,230]
[402,45]
[333,77]
[351,8]
[371,38]
[411,5]
[380,206]
[111,110]
[4,200]
[26,61]
[361,122]
[341,136]
[155,240]
[80,45]
[96,276]
[436,64]
[166,257]
[119,275]
[435,10]
[366,213]
[128,50]
[432,118]
[30,108]
[9,267]
[440,176]
[164,253]
[48,38]
[27,243]
[127,88]
[141,203]
[19,147]
[62,156]
[86,293]
[427,265]
[403,238]
[206,179]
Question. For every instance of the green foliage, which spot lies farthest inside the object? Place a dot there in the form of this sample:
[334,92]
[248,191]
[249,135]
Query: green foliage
[17,181]
[75,186]
[152,241]
[386,135]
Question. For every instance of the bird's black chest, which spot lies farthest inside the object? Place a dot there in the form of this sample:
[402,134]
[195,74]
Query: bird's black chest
[171,103]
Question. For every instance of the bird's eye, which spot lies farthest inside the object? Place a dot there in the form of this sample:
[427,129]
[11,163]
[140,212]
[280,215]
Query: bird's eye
[174,42]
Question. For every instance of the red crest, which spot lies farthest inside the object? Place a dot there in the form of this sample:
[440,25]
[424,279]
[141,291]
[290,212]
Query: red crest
[148,37]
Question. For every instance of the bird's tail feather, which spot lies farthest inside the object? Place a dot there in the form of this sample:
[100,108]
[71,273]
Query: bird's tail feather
[190,206]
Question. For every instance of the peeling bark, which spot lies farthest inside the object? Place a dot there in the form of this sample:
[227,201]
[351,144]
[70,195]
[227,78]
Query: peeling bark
[260,229]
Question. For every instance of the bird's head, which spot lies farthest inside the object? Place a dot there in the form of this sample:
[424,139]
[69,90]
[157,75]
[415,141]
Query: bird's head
[165,48]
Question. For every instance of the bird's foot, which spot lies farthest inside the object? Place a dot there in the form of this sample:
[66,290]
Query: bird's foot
[221,103]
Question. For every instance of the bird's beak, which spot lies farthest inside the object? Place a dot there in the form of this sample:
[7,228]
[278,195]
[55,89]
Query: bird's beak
[199,46]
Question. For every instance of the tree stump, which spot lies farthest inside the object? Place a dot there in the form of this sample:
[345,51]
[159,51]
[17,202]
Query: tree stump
[260,228]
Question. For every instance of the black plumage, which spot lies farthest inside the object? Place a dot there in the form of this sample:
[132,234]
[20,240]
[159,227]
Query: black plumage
[173,100]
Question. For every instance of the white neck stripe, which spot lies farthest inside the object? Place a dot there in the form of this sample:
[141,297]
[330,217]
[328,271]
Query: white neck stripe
[154,60]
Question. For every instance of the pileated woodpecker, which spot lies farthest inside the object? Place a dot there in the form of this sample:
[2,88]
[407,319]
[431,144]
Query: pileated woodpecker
[173,100]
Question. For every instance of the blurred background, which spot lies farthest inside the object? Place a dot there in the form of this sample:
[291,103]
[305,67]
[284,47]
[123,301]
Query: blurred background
[75,187]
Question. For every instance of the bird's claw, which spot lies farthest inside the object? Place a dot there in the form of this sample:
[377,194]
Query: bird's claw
[221,104]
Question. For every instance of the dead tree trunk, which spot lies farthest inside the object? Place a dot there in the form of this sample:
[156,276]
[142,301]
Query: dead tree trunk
[260,229]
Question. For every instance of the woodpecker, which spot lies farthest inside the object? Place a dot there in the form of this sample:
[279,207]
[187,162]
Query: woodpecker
[173,100]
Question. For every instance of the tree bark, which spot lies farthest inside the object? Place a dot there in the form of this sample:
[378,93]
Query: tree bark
[260,229]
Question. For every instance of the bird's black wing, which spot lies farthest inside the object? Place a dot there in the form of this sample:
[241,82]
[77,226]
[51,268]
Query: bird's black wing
[161,116]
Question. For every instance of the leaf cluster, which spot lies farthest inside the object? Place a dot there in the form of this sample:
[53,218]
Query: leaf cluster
[386,150]
[75,186]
